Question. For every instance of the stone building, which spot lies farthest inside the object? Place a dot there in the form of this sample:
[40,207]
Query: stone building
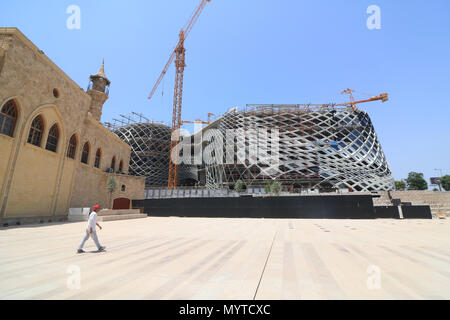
[54,152]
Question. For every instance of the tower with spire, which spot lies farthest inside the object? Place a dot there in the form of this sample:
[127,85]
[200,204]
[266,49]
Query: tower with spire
[98,89]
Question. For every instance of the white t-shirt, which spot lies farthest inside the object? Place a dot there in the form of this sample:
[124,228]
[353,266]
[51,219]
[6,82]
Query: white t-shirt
[92,221]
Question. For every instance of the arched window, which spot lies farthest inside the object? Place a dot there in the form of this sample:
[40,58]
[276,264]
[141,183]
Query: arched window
[35,135]
[98,157]
[72,147]
[120,165]
[8,118]
[113,164]
[52,139]
[85,154]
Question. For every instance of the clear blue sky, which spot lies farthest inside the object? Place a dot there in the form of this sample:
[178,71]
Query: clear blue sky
[261,51]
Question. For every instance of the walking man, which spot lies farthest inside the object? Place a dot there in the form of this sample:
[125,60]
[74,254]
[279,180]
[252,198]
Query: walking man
[90,230]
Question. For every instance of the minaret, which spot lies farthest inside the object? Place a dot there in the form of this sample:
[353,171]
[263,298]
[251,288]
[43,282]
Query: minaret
[98,89]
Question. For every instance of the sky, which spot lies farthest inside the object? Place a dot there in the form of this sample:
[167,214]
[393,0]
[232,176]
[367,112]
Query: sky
[259,51]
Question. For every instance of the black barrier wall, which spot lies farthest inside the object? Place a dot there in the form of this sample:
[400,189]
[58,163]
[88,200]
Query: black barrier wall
[308,207]
[386,212]
[409,212]
[313,207]
[416,212]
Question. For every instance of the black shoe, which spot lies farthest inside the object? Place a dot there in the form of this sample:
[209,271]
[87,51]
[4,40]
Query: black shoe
[80,251]
[101,249]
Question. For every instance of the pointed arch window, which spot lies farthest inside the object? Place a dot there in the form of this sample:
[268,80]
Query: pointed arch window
[72,147]
[98,157]
[8,118]
[85,153]
[36,129]
[113,164]
[121,166]
[52,139]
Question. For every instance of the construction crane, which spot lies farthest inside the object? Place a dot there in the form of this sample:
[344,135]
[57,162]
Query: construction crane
[178,55]
[196,121]
[383,97]
[350,93]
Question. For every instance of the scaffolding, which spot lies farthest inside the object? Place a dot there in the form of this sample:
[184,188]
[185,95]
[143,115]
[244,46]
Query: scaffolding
[150,149]
[150,144]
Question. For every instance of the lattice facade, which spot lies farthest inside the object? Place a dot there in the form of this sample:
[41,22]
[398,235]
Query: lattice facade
[150,148]
[318,148]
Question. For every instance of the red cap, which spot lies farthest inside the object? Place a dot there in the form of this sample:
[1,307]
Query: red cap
[96,207]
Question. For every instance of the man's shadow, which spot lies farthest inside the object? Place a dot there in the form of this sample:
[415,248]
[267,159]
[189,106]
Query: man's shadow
[96,251]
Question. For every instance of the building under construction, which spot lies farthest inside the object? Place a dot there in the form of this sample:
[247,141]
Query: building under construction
[150,150]
[318,147]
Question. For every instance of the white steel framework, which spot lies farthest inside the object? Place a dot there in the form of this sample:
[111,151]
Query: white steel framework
[320,147]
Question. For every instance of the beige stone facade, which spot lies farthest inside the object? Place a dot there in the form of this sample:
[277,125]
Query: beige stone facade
[36,182]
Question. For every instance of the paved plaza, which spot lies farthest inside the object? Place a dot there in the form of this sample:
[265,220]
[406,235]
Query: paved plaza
[200,258]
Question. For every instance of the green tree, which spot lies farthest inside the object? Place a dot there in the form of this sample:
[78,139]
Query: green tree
[239,186]
[275,188]
[267,187]
[445,182]
[400,185]
[111,187]
[415,181]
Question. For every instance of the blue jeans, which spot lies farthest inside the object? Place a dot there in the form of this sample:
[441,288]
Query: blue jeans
[86,237]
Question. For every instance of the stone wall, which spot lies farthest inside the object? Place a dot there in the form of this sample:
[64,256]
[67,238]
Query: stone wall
[38,183]
[90,188]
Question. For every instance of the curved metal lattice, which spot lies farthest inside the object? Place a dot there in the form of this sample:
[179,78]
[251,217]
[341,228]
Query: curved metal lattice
[150,149]
[321,148]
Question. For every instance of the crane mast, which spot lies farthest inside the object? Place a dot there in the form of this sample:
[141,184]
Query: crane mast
[176,116]
[179,56]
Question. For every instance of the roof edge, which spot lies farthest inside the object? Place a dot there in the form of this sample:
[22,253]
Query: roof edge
[39,53]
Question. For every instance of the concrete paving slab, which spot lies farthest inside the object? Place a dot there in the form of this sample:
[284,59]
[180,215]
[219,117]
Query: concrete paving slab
[205,258]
